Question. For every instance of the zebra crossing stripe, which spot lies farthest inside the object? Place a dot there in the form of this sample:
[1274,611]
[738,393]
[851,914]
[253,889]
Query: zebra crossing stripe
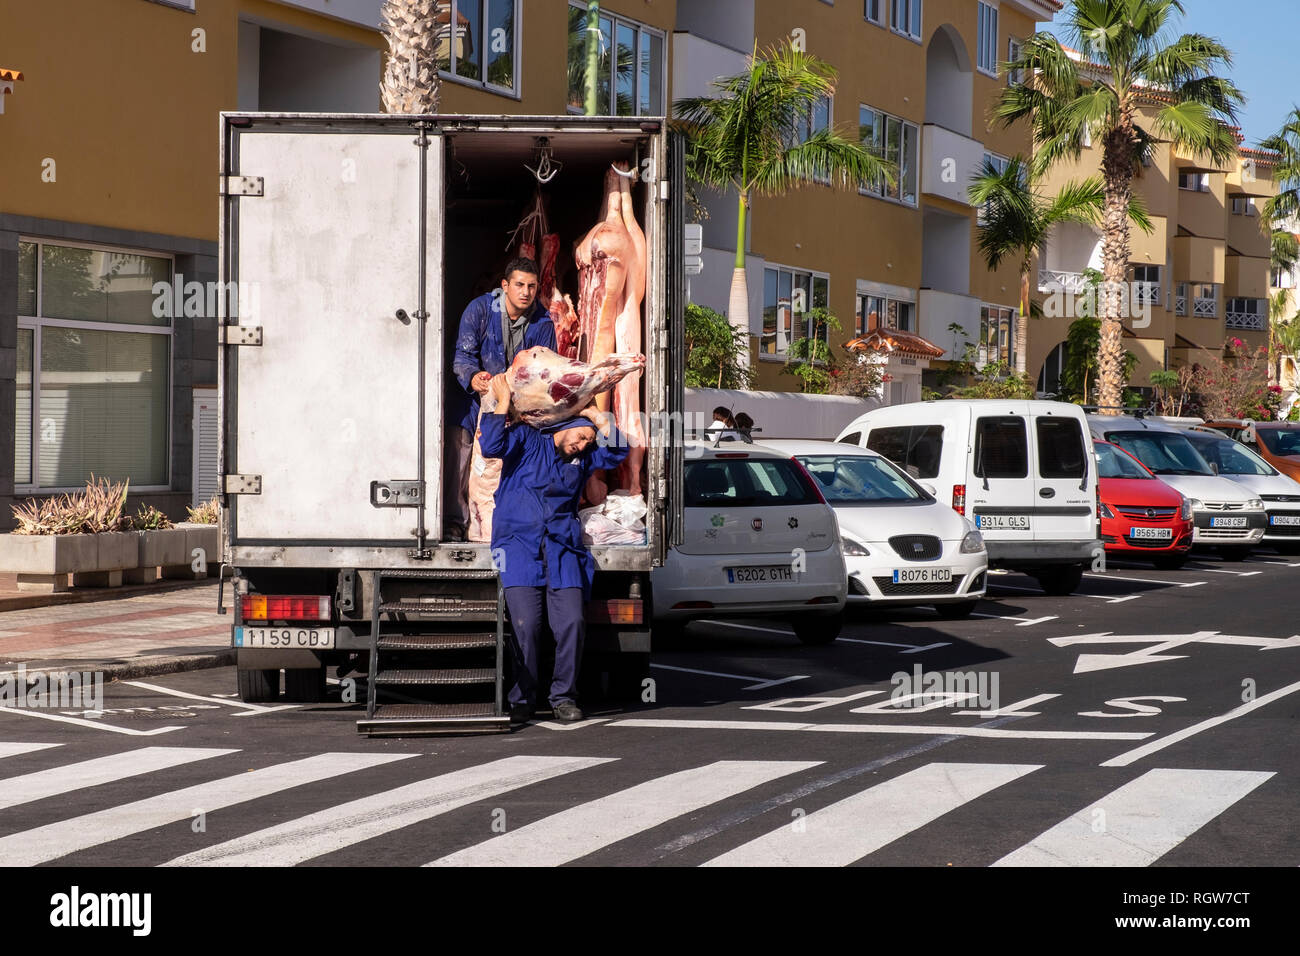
[586,828]
[844,832]
[15,750]
[91,773]
[1141,821]
[350,823]
[55,840]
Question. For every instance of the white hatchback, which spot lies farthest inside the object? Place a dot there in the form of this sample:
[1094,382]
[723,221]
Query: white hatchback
[759,540]
[901,545]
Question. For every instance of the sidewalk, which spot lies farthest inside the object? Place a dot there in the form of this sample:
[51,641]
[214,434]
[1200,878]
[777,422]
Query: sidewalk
[121,632]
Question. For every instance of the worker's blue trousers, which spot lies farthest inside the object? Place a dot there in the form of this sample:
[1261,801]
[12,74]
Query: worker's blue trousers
[564,609]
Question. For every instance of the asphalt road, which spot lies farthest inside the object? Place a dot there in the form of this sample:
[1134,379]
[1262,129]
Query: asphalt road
[1149,720]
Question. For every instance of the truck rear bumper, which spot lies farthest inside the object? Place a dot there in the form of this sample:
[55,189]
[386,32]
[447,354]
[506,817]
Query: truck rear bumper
[1018,553]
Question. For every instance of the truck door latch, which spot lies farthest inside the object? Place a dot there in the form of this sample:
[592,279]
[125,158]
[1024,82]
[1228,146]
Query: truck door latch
[396,494]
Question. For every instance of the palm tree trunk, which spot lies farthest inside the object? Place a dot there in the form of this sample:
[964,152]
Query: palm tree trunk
[410,82]
[1023,318]
[738,302]
[1117,171]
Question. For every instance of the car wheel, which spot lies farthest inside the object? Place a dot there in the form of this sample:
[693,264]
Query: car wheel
[258,687]
[1062,580]
[818,630]
[1170,562]
[1238,553]
[956,610]
[304,686]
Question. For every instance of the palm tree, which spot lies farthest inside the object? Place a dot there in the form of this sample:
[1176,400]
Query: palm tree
[1284,251]
[1286,141]
[756,138]
[1126,61]
[1018,218]
[410,83]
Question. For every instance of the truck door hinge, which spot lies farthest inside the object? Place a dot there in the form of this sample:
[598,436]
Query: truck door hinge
[239,335]
[242,484]
[240,185]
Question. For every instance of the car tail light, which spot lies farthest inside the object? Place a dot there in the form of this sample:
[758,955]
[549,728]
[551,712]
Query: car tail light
[285,607]
[732,454]
[692,605]
[959,499]
[809,479]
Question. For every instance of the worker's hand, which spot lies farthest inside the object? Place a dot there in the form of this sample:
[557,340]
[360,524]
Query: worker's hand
[601,420]
[480,382]
[500,391]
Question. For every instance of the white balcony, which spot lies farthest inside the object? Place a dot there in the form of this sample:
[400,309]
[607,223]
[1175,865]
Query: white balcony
[948,161]
[1055,280]
[1250,321]
[1205,308]
[1146,293]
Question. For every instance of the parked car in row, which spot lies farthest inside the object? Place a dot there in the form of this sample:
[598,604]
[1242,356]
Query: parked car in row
[1224,514]
[758,539]
[1020,470]
[1278,443]
[901,545]
[1141,516]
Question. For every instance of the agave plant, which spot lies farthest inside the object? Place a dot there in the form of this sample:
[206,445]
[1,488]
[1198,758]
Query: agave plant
[99,508]
[149,518]
[206,513]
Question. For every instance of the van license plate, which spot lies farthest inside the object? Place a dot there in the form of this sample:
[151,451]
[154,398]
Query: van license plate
[313,638]
[922,575]
[1236,521]
[1002,522]
[1157,533]
[758,575]
[1288,520]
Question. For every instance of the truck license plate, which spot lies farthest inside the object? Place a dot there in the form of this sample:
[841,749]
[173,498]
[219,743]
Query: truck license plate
[1236,521]
[314,638]
[922,575]
[1002,522]
[758,575]
[1160,534]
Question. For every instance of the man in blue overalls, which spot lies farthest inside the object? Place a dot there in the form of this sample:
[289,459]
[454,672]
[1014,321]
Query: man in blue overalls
[494,328]
[537,539]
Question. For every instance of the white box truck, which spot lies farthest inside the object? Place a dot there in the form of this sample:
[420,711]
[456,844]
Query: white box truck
[349,245]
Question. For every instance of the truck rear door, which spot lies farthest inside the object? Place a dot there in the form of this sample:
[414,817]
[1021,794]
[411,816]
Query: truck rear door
[1064,477]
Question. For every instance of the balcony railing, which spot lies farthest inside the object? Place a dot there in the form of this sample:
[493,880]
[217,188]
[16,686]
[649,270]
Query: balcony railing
[1052,280]
[1180,304]
[1246,320]
[1146,293]
[1205,308]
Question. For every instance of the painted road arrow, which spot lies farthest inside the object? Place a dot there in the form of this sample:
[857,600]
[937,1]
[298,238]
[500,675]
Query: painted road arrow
[1160,642]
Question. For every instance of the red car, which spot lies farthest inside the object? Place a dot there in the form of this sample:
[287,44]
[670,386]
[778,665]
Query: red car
[1140,514]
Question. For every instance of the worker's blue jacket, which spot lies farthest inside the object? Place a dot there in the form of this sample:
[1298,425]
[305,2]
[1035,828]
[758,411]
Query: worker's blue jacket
[481,348]
[536,535]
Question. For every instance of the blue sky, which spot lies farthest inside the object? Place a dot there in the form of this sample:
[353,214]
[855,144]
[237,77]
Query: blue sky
[1262,36]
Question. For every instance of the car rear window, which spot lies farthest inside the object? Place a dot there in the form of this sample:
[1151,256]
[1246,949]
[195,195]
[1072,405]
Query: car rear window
[747,482]
[1280,441]
[1060,448]
[1001,450]
[917,449]
[1228,456]
[1165,453]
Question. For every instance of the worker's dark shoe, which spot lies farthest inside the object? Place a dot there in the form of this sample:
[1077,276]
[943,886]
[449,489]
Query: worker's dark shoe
[520,713]
[566,711]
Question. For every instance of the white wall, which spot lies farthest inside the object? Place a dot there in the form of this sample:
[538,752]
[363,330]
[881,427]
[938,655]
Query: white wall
[361,12]
[945,252]
[948,81]
[300,74]
[1073,248]
[948,161]
[728,22]
[697,62]
[250,58]
[780,414]
[712,287]
[938,310]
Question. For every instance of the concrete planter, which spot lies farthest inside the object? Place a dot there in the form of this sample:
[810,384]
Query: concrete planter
[162,548]
[43,562]
[205,537]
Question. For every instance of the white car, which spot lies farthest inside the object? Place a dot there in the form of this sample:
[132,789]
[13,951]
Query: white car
[759,540]
[1280,494]
[901,545]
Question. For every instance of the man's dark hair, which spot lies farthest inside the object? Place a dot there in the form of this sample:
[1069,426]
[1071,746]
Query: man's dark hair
[744,421]
[520,264]
[721,413]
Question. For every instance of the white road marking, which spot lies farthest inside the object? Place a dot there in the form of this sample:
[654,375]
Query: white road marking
[746,627]
[586,828]
[81,722]
[1240,574]
[911,648]
[1110,600]
[1012,587]
[576,725]
[91,773]
[1024,621]
[761,681]
[251,708]
[15,750]
[1011,710]
[55,840]
[905,729]
[1141,821]
[326,831]
[1124,759]
[845,832]
[1159,642]
[1116,577]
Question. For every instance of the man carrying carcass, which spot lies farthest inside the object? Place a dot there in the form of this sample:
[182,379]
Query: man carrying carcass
[537,539]
[494,328]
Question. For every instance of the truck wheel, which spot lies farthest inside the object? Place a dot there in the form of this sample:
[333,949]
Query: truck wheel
[304,686]
[626,676]
[1062,580]
[818,630]
[259,687]
[952,612]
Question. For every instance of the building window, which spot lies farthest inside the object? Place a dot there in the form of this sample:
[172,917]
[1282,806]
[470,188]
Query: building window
[986,58]
[884,312]
[1180,299]
[818,120]
[1146,285]
[1015,49]
[1205,300]
[1249,314]
[477,42]
[999,164]
[630,80]
[182,4]
[1243,206]
[1194,181]
[898,142]
[873,10]
[94,364]
[789,296]
[997,335]
[905,18]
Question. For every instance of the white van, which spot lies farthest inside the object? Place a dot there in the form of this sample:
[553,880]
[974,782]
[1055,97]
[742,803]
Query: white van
[1021,470]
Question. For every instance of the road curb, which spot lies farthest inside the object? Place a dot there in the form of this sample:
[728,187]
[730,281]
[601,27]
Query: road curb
[128,670]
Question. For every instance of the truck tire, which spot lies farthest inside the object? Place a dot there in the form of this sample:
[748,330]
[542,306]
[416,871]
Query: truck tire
[1060,580]
[259,687]
[818,630]
[304,686]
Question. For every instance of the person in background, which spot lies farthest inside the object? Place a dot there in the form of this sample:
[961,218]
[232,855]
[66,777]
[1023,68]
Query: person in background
[721,420]
[744,424]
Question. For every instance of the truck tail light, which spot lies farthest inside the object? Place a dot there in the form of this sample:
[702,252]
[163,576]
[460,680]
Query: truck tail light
[284,607]
[959,499]
[615,611]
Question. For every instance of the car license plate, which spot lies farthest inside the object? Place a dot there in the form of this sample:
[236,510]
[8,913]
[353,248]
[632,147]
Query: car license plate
[1287,520]
[922,575]
[315,638]
[1235,521]
[758,575]
[1002,522]
[1157,533]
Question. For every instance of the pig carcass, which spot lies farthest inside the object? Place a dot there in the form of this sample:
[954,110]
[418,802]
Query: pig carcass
[611,261]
